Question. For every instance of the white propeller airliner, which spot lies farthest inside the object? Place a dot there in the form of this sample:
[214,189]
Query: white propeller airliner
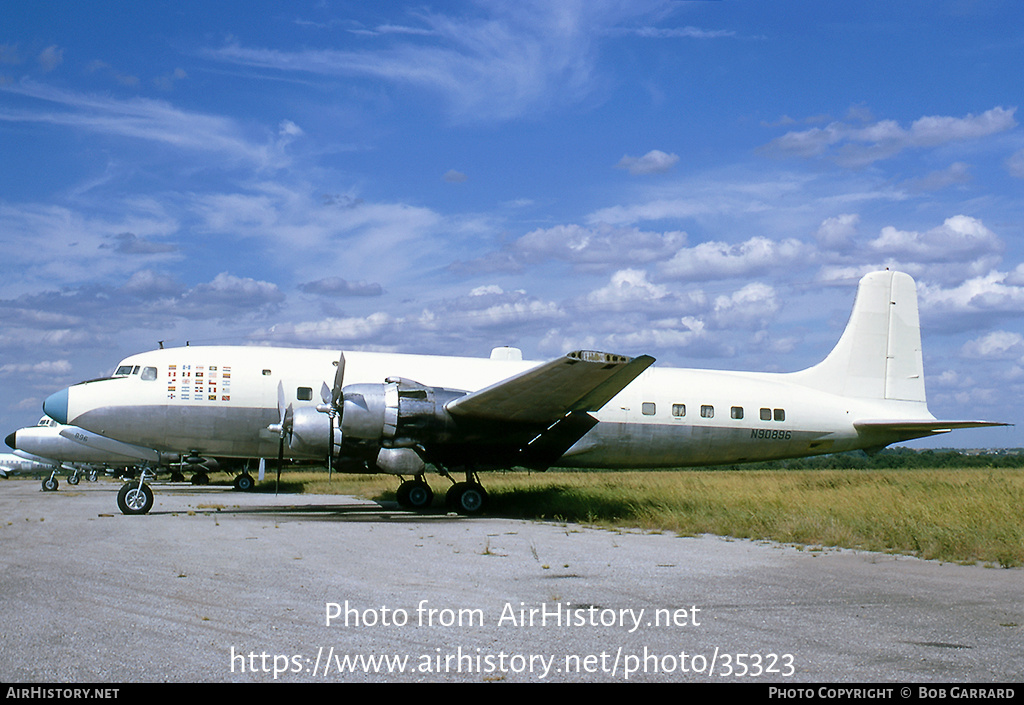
[58,447]
[12,464]
[403,414]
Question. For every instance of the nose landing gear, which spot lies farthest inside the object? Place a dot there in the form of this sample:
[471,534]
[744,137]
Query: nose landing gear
[136,497]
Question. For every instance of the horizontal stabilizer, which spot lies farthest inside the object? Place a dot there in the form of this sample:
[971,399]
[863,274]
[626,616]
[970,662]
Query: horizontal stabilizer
[920,428]
[579,381]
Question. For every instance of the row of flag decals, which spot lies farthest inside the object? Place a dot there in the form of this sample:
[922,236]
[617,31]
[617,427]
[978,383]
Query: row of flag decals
[199,382]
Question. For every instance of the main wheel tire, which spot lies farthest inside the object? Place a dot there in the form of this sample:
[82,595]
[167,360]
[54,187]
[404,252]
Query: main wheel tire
[135,499]
[414,494]
[466,498]
[402,494]
[419,496]
[73,479]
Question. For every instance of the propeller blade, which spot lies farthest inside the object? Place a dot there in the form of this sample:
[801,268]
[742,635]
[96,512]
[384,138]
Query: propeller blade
[330,448]
[337,401]
[284,429]
[339,380]
[280,462]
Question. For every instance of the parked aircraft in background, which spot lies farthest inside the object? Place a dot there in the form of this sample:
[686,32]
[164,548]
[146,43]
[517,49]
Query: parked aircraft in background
[80,452]
[586,409]
[43,445]
[11,464]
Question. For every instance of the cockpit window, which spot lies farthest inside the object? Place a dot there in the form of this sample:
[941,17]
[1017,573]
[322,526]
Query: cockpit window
[123,371]
[149,373]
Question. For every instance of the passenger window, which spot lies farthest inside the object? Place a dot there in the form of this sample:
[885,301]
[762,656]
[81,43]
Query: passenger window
[648,408]
[736,412]
[707,411]
[780,414]
[304,393]
[766,414]
[149,373]
[266,373]
[679,409]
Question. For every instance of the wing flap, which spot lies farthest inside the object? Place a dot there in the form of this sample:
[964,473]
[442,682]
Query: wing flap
[581,381]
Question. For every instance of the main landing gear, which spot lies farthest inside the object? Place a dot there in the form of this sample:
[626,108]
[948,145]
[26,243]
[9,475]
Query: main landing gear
[77,474]
[415,494]
[467,497]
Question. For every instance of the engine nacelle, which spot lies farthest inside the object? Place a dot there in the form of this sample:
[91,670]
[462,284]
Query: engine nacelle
[397,414]
[400,461]
[311,432]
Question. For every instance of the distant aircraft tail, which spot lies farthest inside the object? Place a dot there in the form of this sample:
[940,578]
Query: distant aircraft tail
[879,353]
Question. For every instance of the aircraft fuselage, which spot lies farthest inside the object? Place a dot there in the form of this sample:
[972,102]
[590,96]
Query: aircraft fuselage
[221,401]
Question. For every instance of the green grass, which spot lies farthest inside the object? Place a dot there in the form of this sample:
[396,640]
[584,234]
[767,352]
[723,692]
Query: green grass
[970,514]
[963,516]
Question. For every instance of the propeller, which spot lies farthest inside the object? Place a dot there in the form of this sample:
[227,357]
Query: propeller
[334,407]
[283,429]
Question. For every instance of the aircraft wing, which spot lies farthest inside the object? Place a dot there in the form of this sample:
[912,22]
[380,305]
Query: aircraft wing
[109,445]
[580,381]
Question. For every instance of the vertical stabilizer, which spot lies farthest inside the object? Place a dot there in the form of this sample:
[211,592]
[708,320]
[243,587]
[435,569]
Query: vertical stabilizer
[879,353]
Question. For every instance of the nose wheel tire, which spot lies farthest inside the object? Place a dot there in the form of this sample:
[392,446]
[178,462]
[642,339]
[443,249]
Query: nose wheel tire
[50,484]
[134,498]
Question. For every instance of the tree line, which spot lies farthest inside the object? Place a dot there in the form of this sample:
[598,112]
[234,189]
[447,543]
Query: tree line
[899,457]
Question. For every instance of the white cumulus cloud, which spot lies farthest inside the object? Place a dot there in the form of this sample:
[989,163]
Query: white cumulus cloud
[654,162]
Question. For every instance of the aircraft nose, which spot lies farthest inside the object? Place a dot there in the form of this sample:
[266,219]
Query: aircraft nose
[12,441]
[56,406]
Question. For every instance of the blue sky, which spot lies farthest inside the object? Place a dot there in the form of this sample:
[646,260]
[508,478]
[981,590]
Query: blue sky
[700,181]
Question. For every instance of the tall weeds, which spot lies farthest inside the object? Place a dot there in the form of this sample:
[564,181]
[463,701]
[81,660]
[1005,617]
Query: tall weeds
[974,515]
